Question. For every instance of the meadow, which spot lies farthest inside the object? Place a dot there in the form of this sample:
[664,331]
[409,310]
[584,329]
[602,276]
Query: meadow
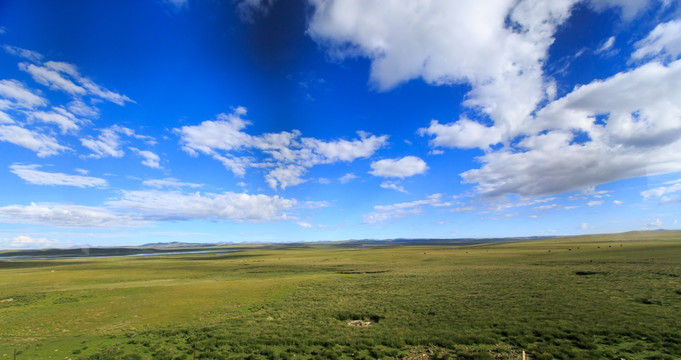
[591,297]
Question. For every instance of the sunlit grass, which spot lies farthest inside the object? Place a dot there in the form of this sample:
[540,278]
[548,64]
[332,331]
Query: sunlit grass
[614,296]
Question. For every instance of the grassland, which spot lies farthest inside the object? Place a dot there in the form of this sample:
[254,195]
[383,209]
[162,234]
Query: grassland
[601,297]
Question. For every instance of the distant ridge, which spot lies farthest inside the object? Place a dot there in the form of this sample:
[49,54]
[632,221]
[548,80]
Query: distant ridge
[175,246]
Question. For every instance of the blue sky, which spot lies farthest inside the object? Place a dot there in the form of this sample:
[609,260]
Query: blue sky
[130,122]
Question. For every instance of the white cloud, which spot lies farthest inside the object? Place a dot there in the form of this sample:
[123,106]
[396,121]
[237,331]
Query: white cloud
[236,165]
[63,215]
[384,213]
[672,187]
[91,88]
[594,203]
[52,78]
[655,224]
[169,183]
[5,119]
[628,8]
[347,178]
[30,174]
[343,150]
[640,136]
[58,116]
[173,205]
[664,40]
[66,77]
[401,168]
[23,53]
[607,45]
[142,208]
[42,144]
[462,209]
[505,43]
[285,176]
[210,136]
[287,153]
[109,141]
[394,186]
[305,224]
[150,159]
[78,107]
[505,204]
[465,134]
[19,96]
[617,202]
[26,242]
[106,144]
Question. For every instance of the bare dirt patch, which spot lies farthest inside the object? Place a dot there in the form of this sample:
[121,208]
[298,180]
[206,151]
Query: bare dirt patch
[360,323]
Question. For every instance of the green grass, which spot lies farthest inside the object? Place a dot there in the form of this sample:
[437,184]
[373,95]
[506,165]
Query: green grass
[601,297]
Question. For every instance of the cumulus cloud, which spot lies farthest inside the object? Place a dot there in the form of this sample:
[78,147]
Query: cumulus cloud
[401,168]
[620,127]
[464,134]
[285,176]
[505,43]
[286,154]
[638,135]
[211,136]
[31,174]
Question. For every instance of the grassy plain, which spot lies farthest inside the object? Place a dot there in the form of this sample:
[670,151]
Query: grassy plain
[608,296]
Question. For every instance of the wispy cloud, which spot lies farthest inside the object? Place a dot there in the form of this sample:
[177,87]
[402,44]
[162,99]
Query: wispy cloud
[169,183]
[32,175]
[383,213]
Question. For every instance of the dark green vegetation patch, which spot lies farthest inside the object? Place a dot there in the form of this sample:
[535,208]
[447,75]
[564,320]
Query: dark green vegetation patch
[599,297]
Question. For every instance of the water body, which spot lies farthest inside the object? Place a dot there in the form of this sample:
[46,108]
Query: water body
[85,255]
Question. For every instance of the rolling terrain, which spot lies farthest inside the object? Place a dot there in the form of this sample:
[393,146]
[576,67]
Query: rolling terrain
[601,296]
